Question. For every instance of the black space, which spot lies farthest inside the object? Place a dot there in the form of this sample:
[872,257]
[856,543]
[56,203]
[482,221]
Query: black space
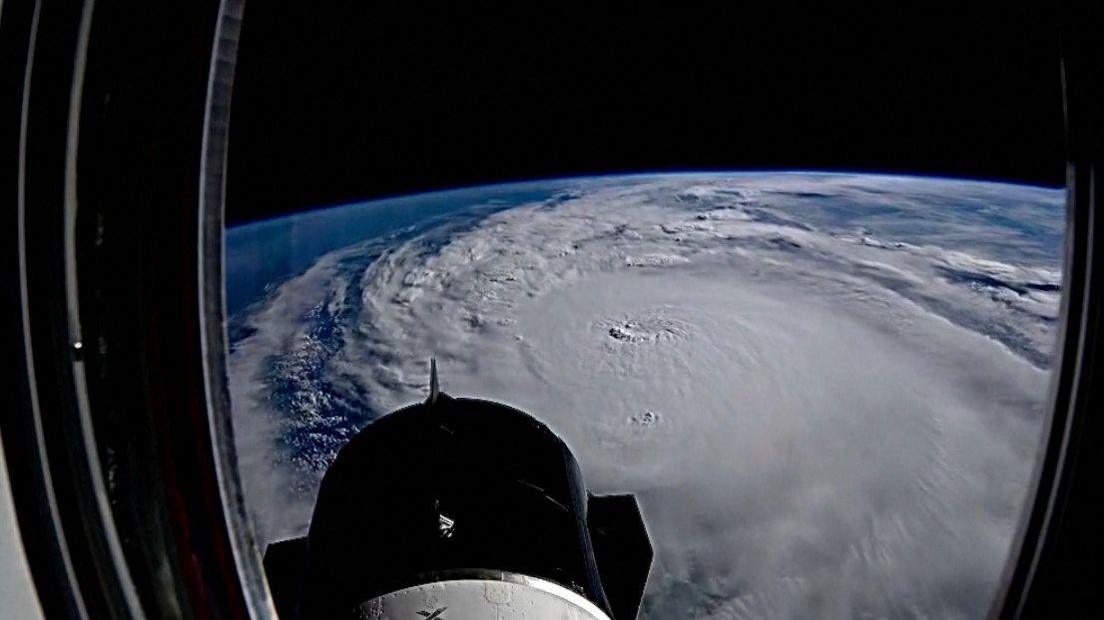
[340,103]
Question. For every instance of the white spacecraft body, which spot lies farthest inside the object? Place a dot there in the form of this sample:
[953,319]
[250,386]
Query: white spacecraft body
[503,596]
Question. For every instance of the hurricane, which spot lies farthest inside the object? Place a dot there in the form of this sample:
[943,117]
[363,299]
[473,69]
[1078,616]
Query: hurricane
[826,390]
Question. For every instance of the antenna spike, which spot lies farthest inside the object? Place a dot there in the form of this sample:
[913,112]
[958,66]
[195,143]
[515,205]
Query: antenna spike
[433,387]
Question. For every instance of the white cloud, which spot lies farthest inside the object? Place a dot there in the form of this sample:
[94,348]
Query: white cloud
[837,423]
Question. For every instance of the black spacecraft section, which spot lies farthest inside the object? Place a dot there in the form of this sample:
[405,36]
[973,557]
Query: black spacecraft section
[451,486]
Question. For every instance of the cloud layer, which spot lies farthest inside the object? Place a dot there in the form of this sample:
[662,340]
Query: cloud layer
[826,390]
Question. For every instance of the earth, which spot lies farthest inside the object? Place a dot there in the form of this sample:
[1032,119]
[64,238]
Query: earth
[826,390]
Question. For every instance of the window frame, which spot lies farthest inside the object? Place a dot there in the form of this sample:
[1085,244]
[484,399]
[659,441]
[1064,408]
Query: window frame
[199,530]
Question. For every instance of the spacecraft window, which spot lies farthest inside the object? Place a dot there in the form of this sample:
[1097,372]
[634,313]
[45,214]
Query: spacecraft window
[780,304]
[820,380]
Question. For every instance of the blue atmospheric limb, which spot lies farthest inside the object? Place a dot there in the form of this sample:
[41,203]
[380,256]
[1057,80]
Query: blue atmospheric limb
[825,389]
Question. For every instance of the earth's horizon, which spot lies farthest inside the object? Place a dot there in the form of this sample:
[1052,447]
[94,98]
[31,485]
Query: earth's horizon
[825,388]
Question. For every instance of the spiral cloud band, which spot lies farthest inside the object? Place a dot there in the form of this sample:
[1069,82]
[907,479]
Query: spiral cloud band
[825,389]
